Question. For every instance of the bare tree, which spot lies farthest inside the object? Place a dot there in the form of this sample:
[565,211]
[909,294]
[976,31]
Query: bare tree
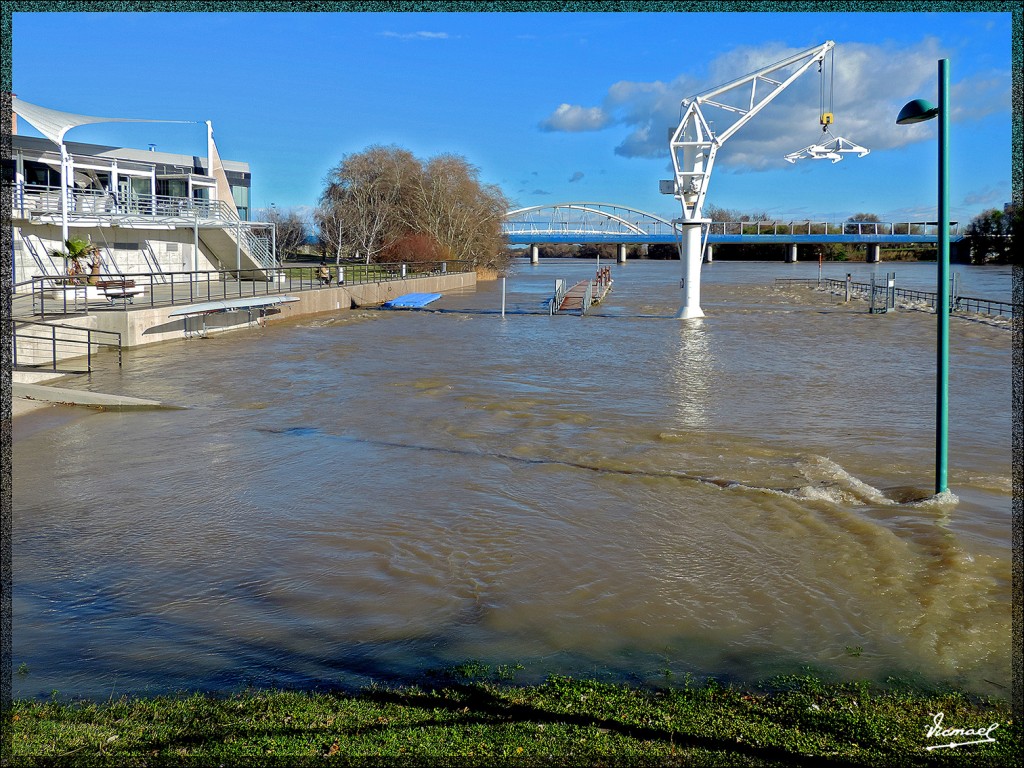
[383,202]
[460,213]
[292,228]
[330,230]
[365,196]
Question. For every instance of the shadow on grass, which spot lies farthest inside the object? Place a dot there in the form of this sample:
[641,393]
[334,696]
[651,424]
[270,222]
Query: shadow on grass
[477,706]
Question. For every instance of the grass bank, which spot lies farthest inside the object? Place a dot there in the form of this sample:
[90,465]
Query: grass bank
[476,719]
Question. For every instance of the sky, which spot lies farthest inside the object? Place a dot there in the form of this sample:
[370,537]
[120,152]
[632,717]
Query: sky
[550,107]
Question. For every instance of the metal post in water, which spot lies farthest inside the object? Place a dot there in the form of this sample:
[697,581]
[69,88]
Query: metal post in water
[942,353]
[849,280]
[503,297]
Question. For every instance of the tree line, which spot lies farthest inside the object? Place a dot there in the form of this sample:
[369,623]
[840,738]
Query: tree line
[386,205]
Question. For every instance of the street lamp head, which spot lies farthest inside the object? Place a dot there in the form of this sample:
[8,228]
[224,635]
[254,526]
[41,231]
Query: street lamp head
[916,111]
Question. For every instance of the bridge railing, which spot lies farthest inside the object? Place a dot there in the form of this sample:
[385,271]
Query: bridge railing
[541,229]
[547,228]
[863,228]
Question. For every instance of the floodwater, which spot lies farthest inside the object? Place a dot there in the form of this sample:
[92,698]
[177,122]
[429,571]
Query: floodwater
[370,495]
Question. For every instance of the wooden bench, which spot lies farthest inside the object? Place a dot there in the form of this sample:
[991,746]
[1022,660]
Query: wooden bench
[119,289]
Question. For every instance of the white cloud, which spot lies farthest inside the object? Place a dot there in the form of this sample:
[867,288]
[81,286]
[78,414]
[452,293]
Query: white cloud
[417,35]
[573,119]
[988,197]
[865,90]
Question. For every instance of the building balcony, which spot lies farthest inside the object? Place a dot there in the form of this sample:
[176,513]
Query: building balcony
[91,207]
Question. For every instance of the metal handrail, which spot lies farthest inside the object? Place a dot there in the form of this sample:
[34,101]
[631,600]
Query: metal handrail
[588,297]
[37,198]
[957,303]
[807,227]
[61,348]
[187,287]
[115,208]
[561,288]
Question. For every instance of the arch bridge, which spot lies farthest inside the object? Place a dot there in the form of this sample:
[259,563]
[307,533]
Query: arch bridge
[582,222]
[589,222]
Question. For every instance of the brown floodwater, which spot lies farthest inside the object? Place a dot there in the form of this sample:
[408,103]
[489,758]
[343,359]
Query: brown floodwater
[370,495]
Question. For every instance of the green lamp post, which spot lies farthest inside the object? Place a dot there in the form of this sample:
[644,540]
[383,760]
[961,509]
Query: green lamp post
[917,111]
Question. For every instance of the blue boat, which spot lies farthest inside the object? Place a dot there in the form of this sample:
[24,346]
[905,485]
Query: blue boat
[411,301]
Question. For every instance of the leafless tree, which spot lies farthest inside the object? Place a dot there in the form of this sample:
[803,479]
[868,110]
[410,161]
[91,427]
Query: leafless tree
[459,212]
[364,199]
[382,200]
[292,228]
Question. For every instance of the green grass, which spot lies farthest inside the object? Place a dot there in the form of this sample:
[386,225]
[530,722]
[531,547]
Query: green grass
[473,716]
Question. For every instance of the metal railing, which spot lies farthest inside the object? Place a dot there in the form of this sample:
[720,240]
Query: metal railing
[101,207]
[561,288]
[588,297]
[64,296]
[49,346]
[862,228]
[957,303]
[27,199]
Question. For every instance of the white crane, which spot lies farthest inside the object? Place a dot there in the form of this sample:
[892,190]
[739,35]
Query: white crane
[694,145]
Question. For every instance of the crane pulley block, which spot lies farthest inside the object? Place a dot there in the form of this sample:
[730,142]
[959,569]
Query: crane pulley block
[827,118]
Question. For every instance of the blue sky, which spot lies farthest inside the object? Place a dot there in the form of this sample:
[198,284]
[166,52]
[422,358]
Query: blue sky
[552,107]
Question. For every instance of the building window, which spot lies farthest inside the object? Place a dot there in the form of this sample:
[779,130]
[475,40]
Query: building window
[172,187]
[241,196]
[41,174]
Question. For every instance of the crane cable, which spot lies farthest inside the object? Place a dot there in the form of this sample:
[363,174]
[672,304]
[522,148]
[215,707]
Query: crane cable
[827,117]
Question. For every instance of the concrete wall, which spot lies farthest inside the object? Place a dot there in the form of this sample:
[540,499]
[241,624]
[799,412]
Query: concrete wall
[133,251]
[148,325]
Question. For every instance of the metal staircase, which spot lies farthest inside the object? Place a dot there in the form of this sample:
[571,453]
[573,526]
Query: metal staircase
[46,263]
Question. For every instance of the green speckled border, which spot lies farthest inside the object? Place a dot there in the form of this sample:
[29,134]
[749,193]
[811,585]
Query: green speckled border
[1016,9]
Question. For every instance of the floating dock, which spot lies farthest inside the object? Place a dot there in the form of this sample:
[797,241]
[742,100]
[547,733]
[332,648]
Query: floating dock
[585,293]
[411,301]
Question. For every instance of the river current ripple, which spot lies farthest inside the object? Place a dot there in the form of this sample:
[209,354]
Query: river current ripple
[368,495]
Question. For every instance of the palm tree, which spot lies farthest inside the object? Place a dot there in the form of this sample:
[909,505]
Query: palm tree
[75,251]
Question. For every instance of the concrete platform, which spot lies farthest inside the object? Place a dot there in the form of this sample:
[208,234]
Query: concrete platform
[39,393]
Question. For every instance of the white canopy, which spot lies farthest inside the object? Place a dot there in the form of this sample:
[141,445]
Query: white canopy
[53,124]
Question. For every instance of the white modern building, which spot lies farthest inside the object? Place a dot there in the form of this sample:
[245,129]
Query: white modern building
[147,212]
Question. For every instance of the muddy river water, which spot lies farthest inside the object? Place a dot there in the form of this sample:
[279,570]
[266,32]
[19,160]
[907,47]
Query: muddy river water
[370,494]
